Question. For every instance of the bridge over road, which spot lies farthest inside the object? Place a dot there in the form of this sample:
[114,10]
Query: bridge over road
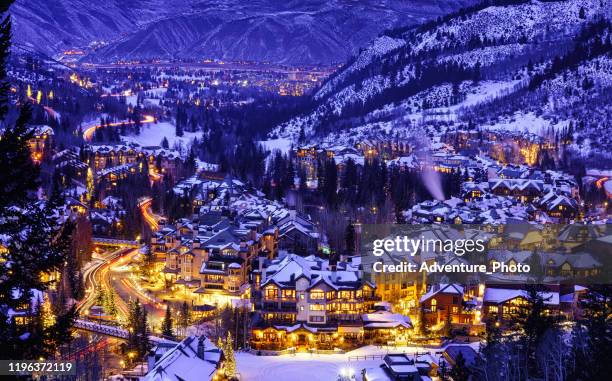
[112,331]
[115,242]
[103,329]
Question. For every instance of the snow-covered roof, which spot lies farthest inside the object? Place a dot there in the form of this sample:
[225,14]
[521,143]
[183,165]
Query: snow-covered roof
[285,270]
[385,319]
[182,363]
[501,295]
[454,289]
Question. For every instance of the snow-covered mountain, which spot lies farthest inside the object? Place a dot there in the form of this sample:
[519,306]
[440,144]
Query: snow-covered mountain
[534,66]
[293,31]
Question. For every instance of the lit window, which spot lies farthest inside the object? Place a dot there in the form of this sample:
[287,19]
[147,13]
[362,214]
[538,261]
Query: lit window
[317,294]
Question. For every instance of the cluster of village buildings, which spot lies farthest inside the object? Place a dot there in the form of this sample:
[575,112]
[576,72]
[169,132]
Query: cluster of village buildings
[495,187]
[240,248]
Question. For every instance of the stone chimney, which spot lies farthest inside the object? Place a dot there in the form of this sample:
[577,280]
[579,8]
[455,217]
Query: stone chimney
[201,352]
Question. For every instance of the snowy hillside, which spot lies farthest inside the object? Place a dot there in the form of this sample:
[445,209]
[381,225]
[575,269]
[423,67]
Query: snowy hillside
[293,32]
[476,67]
[54,26]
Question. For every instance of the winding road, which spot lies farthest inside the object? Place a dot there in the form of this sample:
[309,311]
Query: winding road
[150,218]
[89,132]
[96,275]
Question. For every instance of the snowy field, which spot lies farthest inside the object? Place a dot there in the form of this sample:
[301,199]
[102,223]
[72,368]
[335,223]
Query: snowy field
[301,367]
[526,122]
[315,367]
[152,134]
[281,144]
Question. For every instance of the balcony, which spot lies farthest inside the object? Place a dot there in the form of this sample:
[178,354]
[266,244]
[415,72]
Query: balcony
[288,306]
[345,318]
[213,281]
[276,307]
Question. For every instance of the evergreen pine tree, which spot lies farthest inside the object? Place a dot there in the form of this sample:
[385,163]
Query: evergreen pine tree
[230,359]
[184,318]
[166,326]
[90,184]
[143,334]
[179,128]
[421,328]
[37,241]
[138,337]
[289,175]
[349,238]
[446,331]
[533,321]
[111,306]
[460,371]
[100,299]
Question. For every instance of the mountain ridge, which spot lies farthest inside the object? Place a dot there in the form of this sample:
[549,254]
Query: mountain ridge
[293,32]
[429,78]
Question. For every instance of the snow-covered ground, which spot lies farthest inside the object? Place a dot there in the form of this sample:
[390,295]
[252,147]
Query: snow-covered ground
[319,367]
[281,144]
[153,133]
[301,367]
[526,122]
[131,100]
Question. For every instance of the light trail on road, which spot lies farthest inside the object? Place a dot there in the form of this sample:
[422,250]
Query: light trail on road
[88,133]
[150,218]
[95,276]
[127,290]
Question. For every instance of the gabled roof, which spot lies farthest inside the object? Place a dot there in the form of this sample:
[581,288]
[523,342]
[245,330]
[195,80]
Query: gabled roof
[451,288]
[286,270]
[502,295]
[183,364]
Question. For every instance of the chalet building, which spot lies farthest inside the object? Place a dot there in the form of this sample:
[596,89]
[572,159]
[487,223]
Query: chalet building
[168,162]
[488,209]
[471,190]
[503,305]
[405,163]
[40,142]
[103,156]
[209,256]
[212,194]
[401,368]
[306,302]
[384,147]
[511,172]
[573,237]
[576,265]
[385,327]
[100,157]
[443,300]
[306,158]
[447,162]
[452,352]
[297,238]
[68,163]
[193,358]
[525,190]
[560,207]
[555,266]
[111,175]
[107,222]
